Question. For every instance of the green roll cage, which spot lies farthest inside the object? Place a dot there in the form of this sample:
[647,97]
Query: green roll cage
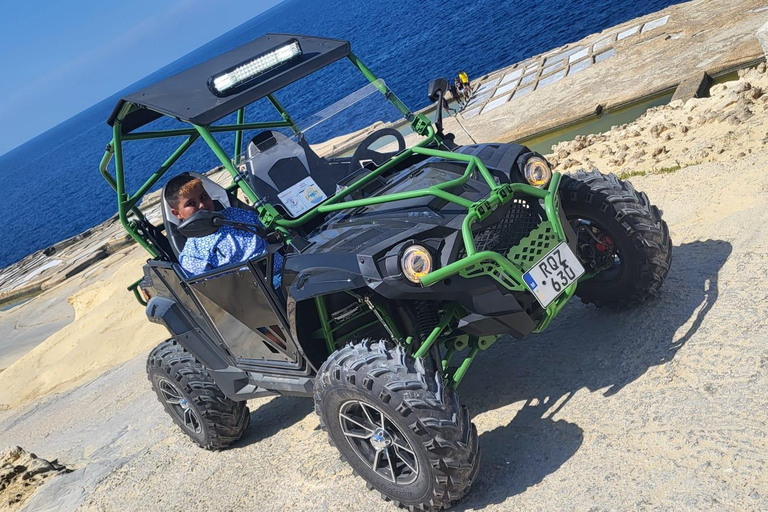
[507,269]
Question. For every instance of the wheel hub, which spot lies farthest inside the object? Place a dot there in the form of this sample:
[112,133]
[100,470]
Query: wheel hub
[379,442]
[597,250]
[179,406]
[381,439]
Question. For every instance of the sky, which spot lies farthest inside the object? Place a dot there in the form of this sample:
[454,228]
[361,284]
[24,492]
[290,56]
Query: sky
[59,58]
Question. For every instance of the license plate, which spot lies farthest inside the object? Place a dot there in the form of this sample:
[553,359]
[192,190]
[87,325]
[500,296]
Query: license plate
[553,273]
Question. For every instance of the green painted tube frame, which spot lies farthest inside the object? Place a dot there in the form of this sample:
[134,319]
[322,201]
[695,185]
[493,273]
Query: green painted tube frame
[239,137]
[325,324]
[134,287]
[473,257]
[461,371]
[223,128]
[437,331]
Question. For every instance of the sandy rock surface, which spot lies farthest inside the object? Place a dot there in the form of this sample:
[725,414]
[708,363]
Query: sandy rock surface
[108,329]
[728,126]
[21,473]
[661,407]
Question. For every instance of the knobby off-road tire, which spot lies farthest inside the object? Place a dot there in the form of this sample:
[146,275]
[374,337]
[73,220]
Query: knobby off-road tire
[635,226]
[194,401]
[362,387]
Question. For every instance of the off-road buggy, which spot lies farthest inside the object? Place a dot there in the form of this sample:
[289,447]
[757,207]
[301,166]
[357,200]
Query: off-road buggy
[406,256]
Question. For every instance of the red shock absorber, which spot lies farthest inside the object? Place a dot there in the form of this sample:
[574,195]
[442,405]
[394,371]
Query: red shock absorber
[604,243]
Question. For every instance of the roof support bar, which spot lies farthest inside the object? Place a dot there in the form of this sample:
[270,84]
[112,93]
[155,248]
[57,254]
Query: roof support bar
[239,136]
[213,129]
[162,170]
[283,113]
[267,213]
[122,197]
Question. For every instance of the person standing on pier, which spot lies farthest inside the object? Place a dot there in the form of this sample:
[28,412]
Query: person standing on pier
[464,79]
[454,89]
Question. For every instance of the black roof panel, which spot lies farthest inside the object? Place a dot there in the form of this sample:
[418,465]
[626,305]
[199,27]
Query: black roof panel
[186,95]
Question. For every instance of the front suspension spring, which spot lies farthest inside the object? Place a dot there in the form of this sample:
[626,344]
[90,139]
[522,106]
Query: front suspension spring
[426,317]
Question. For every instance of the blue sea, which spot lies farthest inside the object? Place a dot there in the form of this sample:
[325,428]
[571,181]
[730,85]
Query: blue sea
[51,185]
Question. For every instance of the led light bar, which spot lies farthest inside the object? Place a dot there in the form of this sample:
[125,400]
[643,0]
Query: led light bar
[235,77]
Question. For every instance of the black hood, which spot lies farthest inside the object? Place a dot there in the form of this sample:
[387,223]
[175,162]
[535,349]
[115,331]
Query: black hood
[374,228]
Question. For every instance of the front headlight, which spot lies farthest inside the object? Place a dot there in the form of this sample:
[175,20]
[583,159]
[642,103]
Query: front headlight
[416,263]
[537,172]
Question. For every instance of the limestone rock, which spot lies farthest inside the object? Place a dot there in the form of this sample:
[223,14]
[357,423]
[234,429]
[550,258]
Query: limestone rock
[728,100]
[762,36]
[21,472]
[658,129]
[742,86]
[755,94]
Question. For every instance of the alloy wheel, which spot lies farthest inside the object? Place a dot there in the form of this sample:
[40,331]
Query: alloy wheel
[180,406]
[378,442]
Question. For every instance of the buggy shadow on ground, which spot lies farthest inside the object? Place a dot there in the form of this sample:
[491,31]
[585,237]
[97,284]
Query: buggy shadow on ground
[585,349]
[272,417]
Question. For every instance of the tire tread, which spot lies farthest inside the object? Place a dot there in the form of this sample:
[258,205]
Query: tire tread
[642,222]
[431,410]
[225,420]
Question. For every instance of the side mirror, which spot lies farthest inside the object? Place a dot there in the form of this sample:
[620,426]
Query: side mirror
[201,223]
[435,87]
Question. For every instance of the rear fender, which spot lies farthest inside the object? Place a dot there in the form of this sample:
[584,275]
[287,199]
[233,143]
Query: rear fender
[164,311]
[232,381]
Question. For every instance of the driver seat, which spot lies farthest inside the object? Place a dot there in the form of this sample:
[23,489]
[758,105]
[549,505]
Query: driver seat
[274,163]
[221,200]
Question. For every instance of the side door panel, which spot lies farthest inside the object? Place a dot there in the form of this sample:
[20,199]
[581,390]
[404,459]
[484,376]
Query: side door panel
[241,312]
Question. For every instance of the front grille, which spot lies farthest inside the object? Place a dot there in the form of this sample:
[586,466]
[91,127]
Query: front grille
[519,221]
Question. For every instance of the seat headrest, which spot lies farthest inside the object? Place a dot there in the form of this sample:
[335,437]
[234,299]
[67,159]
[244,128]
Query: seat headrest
[262,141]
[268,148]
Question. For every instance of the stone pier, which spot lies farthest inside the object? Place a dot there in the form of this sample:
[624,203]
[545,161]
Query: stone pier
[614,68]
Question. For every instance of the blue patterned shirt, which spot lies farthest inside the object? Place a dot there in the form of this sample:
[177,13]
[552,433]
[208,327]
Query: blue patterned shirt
[226,246]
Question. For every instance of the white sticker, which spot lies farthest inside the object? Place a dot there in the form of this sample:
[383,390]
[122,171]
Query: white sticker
[302,196]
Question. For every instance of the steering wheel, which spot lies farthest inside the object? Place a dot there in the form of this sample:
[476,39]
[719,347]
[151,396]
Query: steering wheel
[364,151]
